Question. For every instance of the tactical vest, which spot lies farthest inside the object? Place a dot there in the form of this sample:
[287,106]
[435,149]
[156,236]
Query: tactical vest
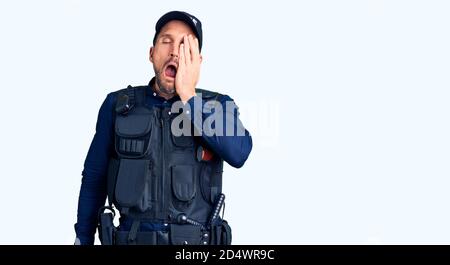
[156,176]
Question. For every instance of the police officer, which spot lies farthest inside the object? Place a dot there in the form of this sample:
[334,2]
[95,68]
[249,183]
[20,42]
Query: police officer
[158,151]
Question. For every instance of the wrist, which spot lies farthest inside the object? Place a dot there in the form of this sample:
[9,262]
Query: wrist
[185,97]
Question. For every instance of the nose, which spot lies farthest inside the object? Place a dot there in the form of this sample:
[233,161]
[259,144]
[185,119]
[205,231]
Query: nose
[174,52]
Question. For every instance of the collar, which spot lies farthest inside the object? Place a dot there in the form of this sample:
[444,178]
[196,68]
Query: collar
[153,93]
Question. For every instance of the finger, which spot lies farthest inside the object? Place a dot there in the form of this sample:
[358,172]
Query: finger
[193,42]
[187,53]
[182,61]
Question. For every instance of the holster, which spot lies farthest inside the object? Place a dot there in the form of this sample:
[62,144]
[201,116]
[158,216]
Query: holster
[106,228]
[221,233]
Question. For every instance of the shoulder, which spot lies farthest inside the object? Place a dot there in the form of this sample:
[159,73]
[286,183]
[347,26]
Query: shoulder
[112,96]
[212,95]
[111,99]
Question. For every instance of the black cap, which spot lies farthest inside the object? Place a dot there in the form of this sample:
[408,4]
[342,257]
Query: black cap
[189,19]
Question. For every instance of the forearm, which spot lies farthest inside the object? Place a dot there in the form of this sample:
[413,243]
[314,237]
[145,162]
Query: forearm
[92,197]
[219,125]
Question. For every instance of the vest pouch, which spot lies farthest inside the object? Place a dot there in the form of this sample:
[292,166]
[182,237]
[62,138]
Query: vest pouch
[133,132]
[183,185]
[182,141]
[185,234]
[132,186]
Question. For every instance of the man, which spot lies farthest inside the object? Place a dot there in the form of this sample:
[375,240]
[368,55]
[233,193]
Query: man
[158,151]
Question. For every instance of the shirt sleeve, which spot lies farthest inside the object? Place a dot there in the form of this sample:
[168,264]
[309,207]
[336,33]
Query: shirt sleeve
[93,184]
[218,123]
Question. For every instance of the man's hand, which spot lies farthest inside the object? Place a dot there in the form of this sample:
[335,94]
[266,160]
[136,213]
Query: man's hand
[188,71]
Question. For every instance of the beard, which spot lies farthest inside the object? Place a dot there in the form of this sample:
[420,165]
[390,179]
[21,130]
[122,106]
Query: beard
[164,87]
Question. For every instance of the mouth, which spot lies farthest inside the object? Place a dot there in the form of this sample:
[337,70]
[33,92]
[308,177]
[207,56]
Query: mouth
[170,70]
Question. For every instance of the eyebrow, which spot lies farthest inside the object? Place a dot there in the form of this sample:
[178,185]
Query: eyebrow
[165,35]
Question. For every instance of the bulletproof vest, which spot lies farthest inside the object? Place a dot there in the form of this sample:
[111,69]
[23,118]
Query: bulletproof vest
[155,175]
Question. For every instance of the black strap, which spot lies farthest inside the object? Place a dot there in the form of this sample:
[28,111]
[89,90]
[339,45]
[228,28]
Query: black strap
[131,95]
[143,215]
[133,231]
[139,95]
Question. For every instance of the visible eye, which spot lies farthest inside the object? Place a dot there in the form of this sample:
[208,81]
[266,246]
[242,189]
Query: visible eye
[166,40]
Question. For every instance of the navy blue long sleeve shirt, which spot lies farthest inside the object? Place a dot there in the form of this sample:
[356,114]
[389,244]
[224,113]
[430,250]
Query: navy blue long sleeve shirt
[234,149]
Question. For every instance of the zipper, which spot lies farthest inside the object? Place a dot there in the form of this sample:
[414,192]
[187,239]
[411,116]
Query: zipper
[163,179]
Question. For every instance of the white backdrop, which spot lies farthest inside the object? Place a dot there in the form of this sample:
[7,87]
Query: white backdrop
[347,101]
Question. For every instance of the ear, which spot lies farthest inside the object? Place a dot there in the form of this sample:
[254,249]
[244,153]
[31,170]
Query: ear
[201,58]
[150,56]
